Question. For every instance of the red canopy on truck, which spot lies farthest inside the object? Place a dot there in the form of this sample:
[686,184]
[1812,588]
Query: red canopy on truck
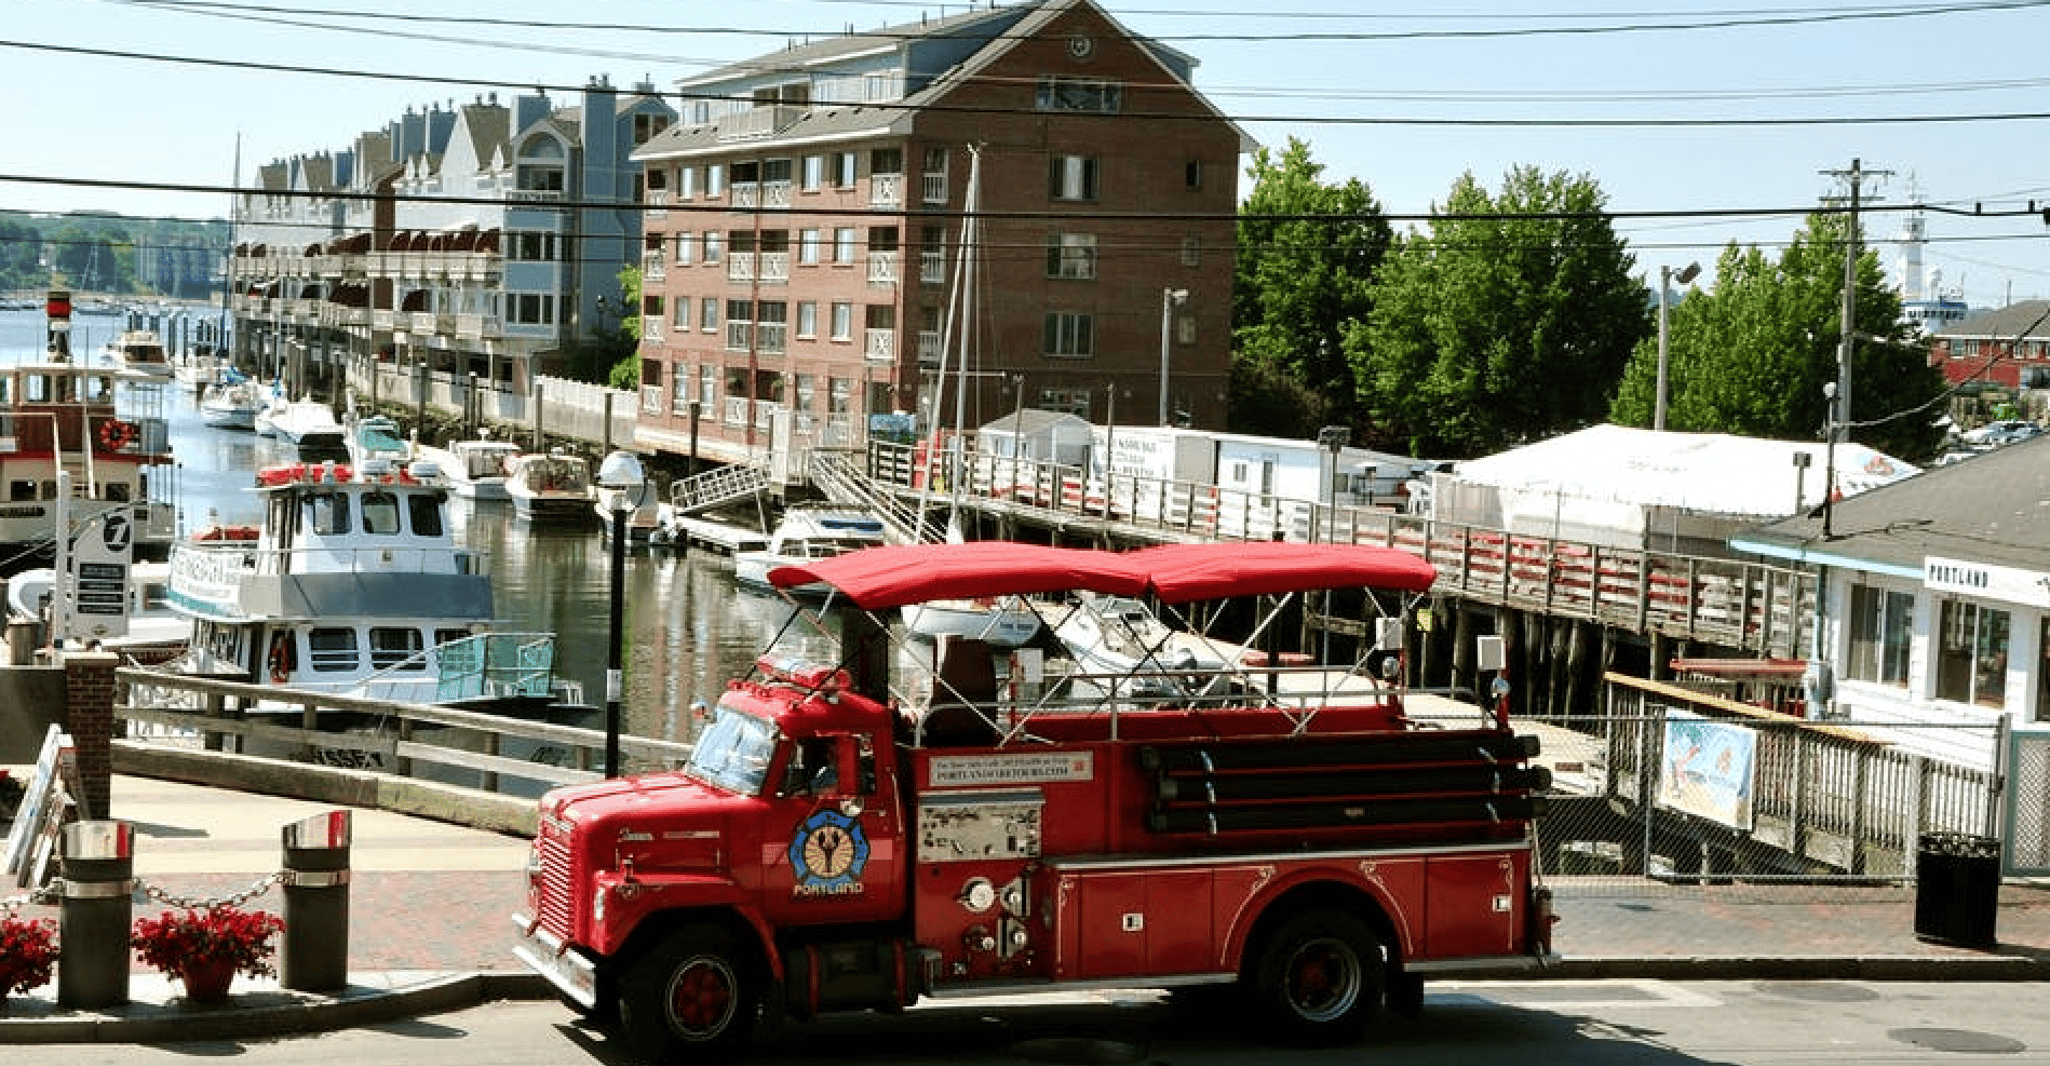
[880,578]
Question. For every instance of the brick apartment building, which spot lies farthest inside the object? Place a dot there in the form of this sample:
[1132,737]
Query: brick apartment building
[802,266]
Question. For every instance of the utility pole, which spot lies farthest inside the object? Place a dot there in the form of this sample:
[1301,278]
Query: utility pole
[1840,408]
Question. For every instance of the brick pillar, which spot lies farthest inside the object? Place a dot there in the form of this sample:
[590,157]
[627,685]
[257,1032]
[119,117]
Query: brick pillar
[89,718]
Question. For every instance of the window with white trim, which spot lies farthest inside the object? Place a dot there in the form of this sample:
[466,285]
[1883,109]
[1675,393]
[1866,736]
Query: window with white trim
[1069,335]
[1971,654]
[1882,632]
[1071,177]
[1071,255]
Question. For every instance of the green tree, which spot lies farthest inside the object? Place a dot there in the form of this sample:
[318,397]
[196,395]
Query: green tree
[626,372]
[1509,321]
[1307,256]
[1752,356]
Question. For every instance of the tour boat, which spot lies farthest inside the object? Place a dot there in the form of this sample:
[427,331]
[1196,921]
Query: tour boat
[354,585]
[58,415]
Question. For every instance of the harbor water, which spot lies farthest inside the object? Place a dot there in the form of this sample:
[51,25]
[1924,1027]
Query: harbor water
[688,627]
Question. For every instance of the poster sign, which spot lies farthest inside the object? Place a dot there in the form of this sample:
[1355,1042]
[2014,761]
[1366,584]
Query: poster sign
[44,808]
[100,559]
[1709,769]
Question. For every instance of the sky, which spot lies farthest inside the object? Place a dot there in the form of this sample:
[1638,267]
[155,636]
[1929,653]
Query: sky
[1702,126]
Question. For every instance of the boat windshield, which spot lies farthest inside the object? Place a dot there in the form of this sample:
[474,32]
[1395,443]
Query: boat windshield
[733,752]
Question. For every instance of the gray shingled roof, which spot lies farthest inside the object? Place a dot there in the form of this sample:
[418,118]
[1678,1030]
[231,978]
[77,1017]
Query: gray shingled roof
[827,49]
[1991,508]
[2005,323]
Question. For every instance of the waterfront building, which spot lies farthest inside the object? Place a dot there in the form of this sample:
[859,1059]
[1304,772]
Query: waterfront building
[2008,346]
[477,240]
[802,262]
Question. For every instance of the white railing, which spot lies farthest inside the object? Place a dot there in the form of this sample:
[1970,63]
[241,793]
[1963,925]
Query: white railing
[880,344]
[934,187]
[885,190]
[882,268]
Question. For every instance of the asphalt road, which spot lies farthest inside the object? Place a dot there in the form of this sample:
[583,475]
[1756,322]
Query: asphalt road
[1598,1023]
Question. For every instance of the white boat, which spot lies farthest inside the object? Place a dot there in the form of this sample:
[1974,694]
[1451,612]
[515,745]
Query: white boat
[204,369]
[310,426]
[355,586]
[550,487]
[474,469]
[642,520]
[140,351]
[804,535]
[1002,622]
[147,631]
[1120,640]
[232,403]
[373,437]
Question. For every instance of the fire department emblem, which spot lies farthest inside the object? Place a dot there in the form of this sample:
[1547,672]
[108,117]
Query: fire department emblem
[828,853]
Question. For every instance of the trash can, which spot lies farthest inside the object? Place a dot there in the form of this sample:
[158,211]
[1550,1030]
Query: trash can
[1957,888]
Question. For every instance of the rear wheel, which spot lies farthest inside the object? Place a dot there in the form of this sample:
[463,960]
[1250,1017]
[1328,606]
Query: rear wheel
[694,996]
[1319,978]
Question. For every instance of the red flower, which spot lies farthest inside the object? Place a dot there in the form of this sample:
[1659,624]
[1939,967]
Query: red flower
[174,940]
[28,951]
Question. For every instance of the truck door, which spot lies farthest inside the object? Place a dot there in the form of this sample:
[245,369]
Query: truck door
[833,845]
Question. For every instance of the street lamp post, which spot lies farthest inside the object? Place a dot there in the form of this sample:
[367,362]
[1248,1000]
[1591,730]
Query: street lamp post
[1169,300]
[626,485]
[1666,279]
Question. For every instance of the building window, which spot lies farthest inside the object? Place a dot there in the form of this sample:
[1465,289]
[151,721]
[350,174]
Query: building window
[686,248]
[1882,625]
[1071,177]
[679,392]
[686,182]
[801,398]
[808,319]
[646,126]
[708,388]
[683,312]
[808,247]
[1071,255]
[715,180]
[708,314]
[843,321]
[1094,95]
[845,169]
[843,245]
[1069,335]
[530,308]
[1192,173]
[1971,654]
[714,246]
[739,325]
[814,173]
[529,246]
[1192,251]
[771,324]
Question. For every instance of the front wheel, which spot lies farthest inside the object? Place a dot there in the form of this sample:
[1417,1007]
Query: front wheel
[694,996]
[1319,978]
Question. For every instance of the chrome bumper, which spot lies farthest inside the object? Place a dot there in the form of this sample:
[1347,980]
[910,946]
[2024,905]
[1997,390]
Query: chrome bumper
[571,973]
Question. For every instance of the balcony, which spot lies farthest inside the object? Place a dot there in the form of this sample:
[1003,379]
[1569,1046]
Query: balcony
[736,411]
[658,204]
[928,348]
[767,195]
[885,190]
[932,267]
[879,345]
[759,122]
[534,196]
[933,187]
[882,267]
[652,267]
[651,399]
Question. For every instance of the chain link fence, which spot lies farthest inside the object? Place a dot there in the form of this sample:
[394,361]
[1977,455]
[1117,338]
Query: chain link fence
[1669,788]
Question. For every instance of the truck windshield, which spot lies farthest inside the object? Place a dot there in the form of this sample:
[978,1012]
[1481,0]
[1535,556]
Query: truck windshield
[733,752]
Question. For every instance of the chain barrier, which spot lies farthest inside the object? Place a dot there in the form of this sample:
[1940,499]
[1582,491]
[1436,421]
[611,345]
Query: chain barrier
[256,888]
[46,895]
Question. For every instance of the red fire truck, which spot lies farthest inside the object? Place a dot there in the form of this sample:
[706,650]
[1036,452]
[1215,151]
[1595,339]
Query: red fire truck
[845,839]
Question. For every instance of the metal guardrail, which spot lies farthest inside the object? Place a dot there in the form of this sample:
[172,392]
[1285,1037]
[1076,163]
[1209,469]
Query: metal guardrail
[426,741]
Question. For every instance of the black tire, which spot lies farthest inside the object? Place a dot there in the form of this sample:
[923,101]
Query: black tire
[694,997]
[1319,978]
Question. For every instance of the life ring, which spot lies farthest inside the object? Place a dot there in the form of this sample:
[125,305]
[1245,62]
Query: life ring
[280,658]
[116,434]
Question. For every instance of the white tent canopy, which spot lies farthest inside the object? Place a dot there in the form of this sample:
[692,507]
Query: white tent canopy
[1613,484]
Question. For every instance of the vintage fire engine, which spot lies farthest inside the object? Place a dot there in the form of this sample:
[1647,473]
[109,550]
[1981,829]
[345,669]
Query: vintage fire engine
[840,841]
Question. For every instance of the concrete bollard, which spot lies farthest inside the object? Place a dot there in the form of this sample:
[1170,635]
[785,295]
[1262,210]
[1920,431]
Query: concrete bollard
[92,928]
[315,957]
